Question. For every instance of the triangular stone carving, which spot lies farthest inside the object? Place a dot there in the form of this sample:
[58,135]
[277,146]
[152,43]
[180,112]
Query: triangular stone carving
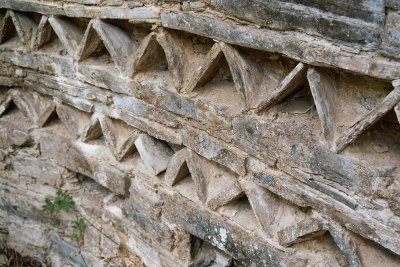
[36,109]
[213,184]
[213,80]
[203,73]
[118,43]
[73,119]
[246,74]
[295,79]
[177,168]
[343,123]
[69,33]
[240,211]
[215,66]
[18,27]
[91,44]
[8,31]
[272,212]
[25,26]
[149,55]
[179,53]
[154,153]
[47,39]
[119,137]
[93,129]
[95,59]
[186,164]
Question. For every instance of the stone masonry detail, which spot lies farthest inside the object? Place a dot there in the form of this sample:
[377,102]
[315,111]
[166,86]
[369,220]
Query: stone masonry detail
[202,133]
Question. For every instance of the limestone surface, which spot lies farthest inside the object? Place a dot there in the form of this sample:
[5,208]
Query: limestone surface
[201,133]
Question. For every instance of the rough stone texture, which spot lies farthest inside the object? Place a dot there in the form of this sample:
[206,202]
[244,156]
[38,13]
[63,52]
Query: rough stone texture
[337,20]
[202,133]
[177,167]
[154,153]
[390,41]
[304,230]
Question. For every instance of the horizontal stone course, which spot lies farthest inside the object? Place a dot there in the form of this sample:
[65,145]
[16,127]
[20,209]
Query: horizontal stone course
[236,161]
[184,135]
[292,44]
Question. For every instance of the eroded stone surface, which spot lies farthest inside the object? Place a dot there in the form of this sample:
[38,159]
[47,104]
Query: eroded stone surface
[304,230]
[154,153]
[201,133]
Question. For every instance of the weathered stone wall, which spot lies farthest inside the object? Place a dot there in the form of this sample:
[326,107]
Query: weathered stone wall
[202,133]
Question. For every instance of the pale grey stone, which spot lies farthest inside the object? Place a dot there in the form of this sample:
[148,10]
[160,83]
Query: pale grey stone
[177,167]
[154,153]
[304,230]
[288,44]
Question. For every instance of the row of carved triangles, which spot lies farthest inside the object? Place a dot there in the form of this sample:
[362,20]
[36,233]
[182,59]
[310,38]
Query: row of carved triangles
[40,111]
[257,209]
[119,136]
[59,35]
[80,39]
[36,109]
[346,105]
[221,190]
[239,199]
[222,74]
[105,43]
[17,29]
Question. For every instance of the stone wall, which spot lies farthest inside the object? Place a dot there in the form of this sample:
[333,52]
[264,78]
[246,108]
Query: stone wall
[202,133]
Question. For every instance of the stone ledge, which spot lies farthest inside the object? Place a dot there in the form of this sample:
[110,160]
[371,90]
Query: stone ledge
[310,50]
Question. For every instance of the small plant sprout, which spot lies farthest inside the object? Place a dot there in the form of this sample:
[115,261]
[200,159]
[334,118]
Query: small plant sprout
[80,227]
[62,201]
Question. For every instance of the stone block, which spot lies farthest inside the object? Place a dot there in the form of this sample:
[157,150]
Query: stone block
[295,45]
[45,171]
[391,35]
[230,193]
[223,235]
[145,110]
[177,168]
[145,197]
[68,251]
[197,168]
[304,230]
[154,153]
[214,149]
[64,153]
[170,135]
[149,229]
[10,137]
[90,160]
